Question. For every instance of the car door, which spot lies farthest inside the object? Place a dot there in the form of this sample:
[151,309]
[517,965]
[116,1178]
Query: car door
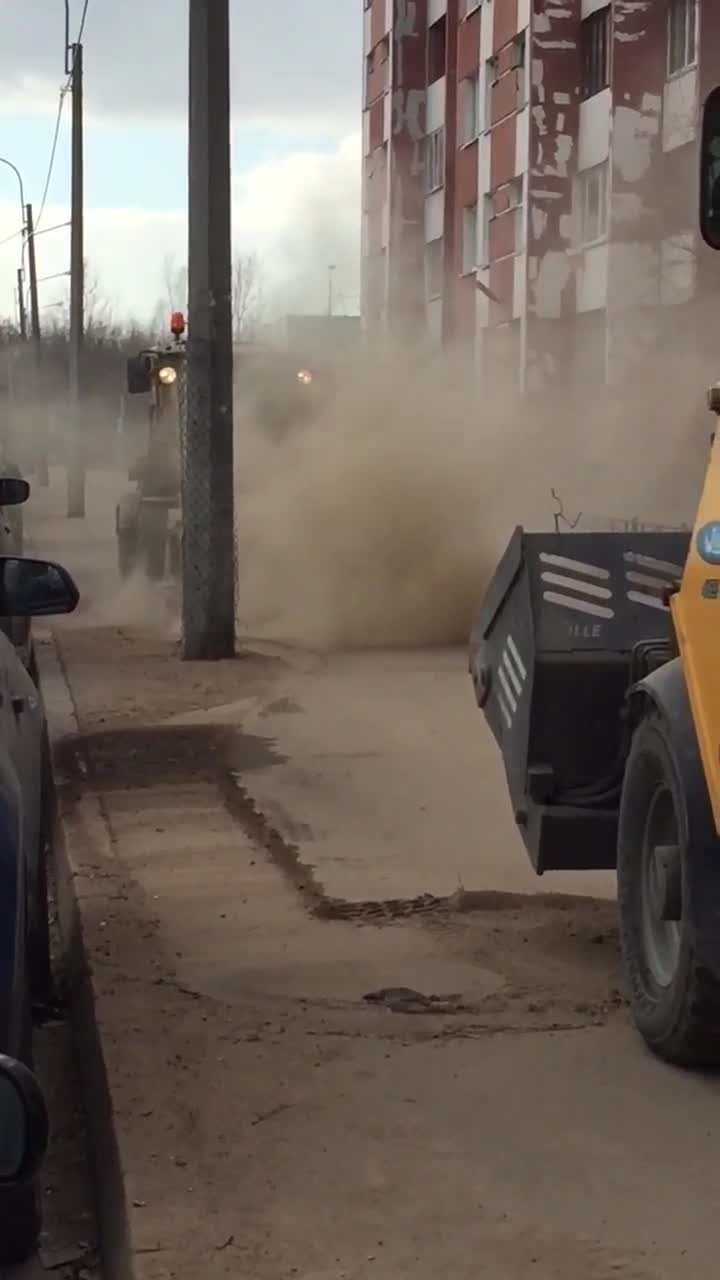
[23,725]
[12,541]
[12,864]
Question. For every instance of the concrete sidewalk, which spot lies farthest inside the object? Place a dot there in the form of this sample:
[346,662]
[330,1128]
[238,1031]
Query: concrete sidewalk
[268,1122]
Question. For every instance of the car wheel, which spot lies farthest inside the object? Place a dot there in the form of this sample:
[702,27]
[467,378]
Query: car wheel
[20,1223]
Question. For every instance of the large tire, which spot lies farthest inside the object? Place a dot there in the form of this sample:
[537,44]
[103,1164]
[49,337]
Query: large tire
[674,994]
[126,553]
[153,538]
[127,517]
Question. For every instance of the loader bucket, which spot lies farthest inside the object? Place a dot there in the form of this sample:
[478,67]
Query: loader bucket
[568,623]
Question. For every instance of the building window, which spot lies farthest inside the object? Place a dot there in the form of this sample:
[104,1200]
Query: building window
[470,239]
[592,204]
[490,80]
[470,89]
[488,213]
[435,161]
[437,50]
[434,268]
[517,207]
[682,35]
[595,51]
[384,56]
[518,65]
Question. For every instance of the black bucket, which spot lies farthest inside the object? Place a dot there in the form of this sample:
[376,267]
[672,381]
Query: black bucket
[553,652]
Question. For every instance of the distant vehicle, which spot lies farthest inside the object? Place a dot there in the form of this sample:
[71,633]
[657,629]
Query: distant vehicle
[28,588]
[280,391]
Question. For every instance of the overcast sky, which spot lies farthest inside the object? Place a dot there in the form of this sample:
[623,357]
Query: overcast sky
[296,70]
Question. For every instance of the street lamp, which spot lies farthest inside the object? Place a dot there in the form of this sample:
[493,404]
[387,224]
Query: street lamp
[18,175]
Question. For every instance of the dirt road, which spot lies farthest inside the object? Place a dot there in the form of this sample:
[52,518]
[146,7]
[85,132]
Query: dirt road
[258,845]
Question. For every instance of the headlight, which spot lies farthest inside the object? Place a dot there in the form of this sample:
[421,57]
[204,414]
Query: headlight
[167,375]
[304,376]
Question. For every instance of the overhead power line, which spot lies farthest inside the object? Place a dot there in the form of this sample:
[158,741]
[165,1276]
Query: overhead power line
[69,69]
[53,152]
[15,236]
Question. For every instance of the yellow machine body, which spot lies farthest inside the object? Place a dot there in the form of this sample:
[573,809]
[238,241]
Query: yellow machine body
[696,619]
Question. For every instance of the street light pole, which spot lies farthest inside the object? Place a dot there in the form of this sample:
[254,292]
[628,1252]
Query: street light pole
[207,474]
[76,467]
[32,269]
[18,175]
[330,290]
[21,304]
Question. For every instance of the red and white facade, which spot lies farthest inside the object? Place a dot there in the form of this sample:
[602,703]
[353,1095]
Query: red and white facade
[530,185]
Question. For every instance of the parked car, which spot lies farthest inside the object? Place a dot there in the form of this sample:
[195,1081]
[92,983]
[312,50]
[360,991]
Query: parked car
[28,588]
[14,492]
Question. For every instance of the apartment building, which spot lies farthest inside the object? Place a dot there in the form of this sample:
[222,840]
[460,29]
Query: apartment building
[529,182]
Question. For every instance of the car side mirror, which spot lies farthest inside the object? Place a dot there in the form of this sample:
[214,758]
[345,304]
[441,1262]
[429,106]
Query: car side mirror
[13,491]
[35,588]
[23,1123]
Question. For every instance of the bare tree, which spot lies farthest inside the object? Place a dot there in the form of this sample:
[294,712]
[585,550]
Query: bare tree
[99,325]
[175,279]
[98,309]
[247,296]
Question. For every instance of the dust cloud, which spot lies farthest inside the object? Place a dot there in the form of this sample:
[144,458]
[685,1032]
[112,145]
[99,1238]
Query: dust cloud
[381,523]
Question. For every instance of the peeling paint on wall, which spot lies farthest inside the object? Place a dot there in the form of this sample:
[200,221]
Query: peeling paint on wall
[635,135]
[554,130]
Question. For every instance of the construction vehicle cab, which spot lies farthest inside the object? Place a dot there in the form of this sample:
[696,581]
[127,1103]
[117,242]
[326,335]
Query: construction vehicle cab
[594,658]
[143,518]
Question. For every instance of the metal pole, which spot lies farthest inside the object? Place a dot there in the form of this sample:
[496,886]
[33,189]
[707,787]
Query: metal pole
[330,290]
[76,466]
[32,272]
[21,304]
[207,478]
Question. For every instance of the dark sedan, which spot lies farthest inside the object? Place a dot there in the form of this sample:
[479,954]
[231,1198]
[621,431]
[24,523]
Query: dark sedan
[29,588]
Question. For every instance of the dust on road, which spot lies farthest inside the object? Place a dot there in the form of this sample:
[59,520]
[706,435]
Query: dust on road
[292,1127]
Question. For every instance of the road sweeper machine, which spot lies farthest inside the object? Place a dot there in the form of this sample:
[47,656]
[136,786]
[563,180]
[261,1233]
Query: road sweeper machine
[595,658]
[276,389]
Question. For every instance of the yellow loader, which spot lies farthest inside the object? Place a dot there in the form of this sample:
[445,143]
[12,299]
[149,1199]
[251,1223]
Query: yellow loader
[595,658]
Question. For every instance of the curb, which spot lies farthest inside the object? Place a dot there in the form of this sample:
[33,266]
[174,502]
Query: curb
[71,879]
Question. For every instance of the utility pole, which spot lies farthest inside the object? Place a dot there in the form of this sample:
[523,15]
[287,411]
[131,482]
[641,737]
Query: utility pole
[76,463]
[207,474]
[41,463]
[330,290]
[32,271]
[21,304]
